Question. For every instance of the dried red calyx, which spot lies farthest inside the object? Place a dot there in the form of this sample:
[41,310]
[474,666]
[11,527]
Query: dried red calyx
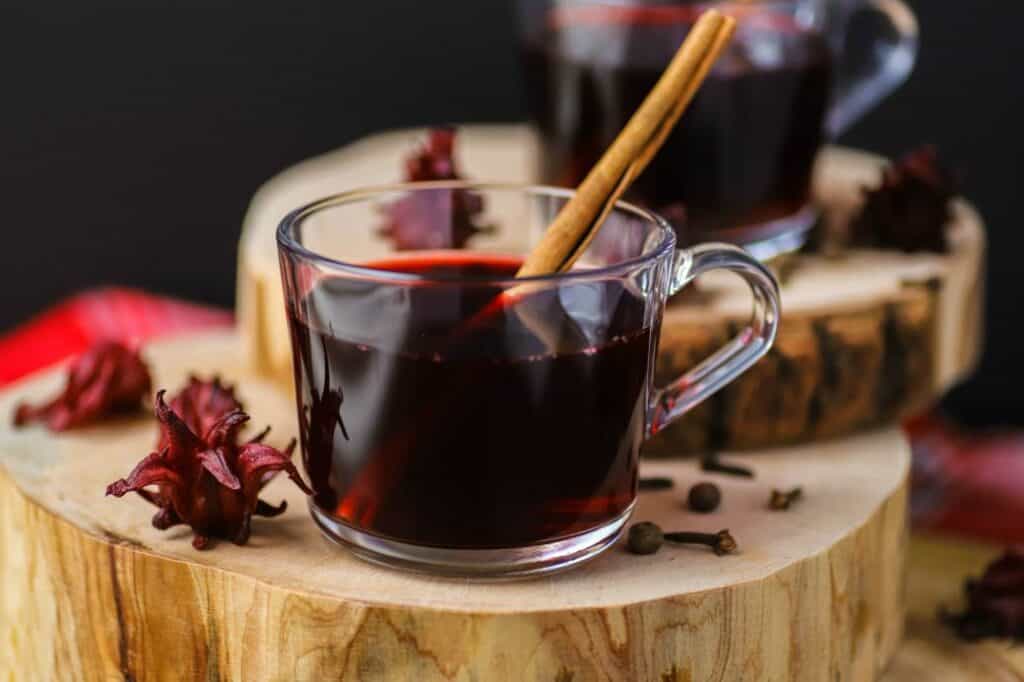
[434,159]
[106,379]
[995,602]
[201,404]
[434,219]
[209,482]
[318,422]
[911,210]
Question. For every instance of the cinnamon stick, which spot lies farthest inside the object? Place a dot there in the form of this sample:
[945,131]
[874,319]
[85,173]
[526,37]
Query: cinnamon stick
[578,221]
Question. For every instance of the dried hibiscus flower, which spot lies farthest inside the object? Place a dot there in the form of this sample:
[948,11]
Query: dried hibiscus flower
[208,481]
[433,219]
[435,159]
[911,209]
[107,378]
[995,602]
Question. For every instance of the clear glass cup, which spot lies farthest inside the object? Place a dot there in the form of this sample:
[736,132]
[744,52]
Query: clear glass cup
[457,420]
[738,166]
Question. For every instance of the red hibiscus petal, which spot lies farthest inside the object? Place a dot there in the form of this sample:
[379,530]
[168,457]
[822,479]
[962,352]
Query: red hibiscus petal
[214,462]
[256,461]
[226,428]
[150,471]
[174,432]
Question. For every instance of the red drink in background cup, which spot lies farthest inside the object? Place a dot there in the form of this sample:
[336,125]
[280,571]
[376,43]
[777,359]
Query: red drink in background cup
[739,164]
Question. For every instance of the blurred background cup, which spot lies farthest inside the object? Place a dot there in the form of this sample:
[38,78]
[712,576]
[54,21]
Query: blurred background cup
[739,165]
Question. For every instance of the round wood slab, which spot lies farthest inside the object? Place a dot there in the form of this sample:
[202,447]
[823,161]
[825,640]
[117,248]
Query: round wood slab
[91,591]
[864,339]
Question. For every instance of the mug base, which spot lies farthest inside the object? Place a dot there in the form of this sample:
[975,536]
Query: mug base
[502,563]
[767,240]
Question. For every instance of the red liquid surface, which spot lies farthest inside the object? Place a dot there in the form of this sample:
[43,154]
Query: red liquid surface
[470,440]
[741,155]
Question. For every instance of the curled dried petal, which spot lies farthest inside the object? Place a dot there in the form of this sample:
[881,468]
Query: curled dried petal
[175,436]
[258,463]
[215,463]
[200,403]
[259,437]
[226,429]
[269,510]
[153,470]
[166,518]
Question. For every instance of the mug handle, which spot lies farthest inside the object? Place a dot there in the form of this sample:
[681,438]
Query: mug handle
[892,61]
[749,346]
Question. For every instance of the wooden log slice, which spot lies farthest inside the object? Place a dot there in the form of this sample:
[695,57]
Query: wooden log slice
[865,338]
[89,590]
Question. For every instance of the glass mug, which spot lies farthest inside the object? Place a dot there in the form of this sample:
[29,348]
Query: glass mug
[739,164]
[456,420]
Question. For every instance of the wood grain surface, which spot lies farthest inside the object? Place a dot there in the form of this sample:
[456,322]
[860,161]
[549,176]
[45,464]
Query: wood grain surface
[91,591]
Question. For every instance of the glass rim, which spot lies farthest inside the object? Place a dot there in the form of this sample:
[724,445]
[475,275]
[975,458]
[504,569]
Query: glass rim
[287,241]
[627,12]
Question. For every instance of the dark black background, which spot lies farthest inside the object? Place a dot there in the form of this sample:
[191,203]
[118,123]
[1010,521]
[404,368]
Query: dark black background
[132,134]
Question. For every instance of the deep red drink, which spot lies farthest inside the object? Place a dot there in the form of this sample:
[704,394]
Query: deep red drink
[743,153]
[492,438]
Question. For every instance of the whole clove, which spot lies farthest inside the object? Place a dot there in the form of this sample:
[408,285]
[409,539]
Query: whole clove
[721,542]
[648,538]
[712,463]
[781,500]
[655,483]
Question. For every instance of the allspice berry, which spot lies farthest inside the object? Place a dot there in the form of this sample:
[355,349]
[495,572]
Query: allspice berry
[645,538]
[704,497]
